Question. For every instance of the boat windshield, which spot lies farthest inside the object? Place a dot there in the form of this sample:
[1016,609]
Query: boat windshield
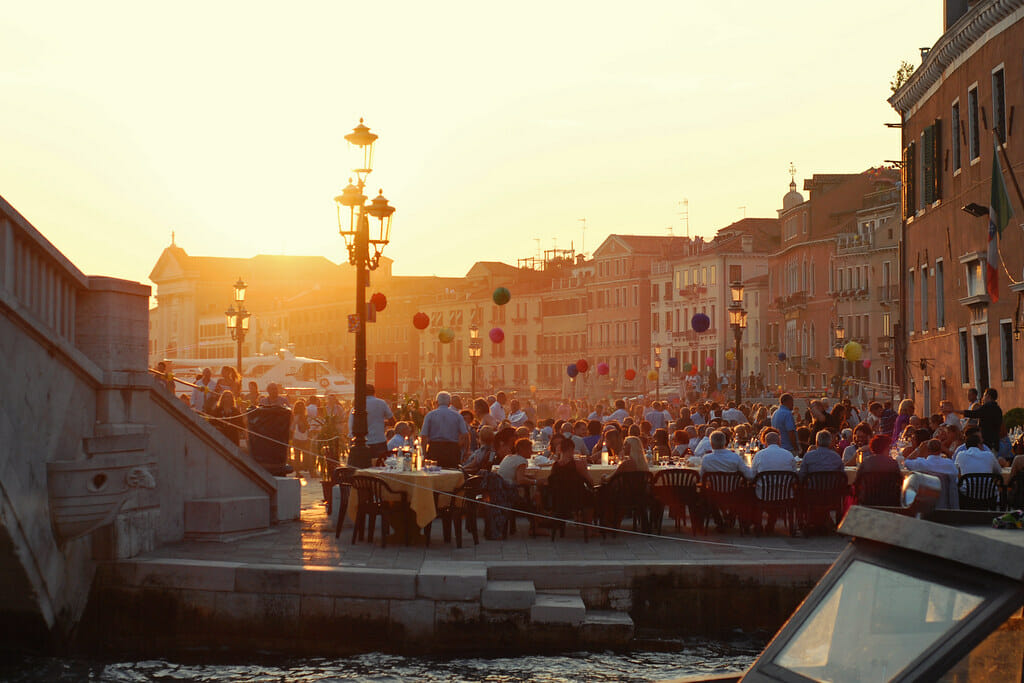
[873,623]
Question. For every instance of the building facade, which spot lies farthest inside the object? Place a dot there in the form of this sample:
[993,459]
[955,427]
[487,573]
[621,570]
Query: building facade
[957,116]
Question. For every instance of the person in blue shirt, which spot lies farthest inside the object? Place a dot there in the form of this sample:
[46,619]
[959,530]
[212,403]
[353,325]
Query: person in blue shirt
[784,421]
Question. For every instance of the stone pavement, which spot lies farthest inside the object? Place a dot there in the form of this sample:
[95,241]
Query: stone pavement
[311,542]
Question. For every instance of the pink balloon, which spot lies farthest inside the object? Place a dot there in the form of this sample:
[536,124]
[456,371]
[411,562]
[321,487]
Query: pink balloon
[866,363]
[497,335]
[709,361]
[602,368]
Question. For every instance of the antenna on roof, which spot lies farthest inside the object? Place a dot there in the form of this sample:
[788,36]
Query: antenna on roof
[583,240]
[537,240]
[685,215]
[744,210]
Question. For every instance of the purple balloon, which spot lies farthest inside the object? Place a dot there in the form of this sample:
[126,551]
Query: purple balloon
[700,322]
[572,371]
[782,355]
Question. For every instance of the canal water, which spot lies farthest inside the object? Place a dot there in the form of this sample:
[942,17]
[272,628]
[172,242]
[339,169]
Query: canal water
[670,659]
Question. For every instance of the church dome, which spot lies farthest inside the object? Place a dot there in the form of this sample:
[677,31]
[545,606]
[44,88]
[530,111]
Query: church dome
[792,198]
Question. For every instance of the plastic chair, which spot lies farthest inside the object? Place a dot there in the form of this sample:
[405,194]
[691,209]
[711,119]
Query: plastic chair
[1015,492]
[342,476]
[881,489]
[461,508]
[820,495]
[776,496]
[569,498]
[979,491]
[726,498]
[678,490]
[376,500]
[626,493]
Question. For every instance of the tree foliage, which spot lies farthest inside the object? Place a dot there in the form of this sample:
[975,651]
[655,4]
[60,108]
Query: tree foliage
[902,75]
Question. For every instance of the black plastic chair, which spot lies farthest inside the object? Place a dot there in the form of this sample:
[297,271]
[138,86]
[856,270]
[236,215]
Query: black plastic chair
[569,498]
[460,509]
[880,489]
[775,496]
[626,493]
[342,476]
[679,491]
[726,498]
[376,499]
[979,491]
[820,496]
[1015,492]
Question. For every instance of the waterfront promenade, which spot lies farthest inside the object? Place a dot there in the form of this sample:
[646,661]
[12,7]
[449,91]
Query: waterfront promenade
[311,541]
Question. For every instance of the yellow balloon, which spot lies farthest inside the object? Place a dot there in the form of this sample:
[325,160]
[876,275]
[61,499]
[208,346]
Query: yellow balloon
[729,355]
[852,351]
[652,375]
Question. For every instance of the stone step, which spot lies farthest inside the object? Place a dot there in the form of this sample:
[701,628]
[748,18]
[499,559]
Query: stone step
[509,595]
[548,576]
[558,608]
[601,628]
[218,518]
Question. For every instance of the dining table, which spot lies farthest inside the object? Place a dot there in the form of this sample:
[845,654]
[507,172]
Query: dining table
[419,487]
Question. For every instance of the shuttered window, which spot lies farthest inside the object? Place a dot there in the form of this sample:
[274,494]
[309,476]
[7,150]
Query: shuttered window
[931,164]
[907,184]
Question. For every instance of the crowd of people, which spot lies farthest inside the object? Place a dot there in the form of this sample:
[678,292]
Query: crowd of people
[501,432]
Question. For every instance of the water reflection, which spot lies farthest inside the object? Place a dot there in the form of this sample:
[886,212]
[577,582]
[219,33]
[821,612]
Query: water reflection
[672,659]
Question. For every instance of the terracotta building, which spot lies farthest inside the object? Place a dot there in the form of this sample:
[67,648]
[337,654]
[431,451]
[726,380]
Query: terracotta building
[955,107]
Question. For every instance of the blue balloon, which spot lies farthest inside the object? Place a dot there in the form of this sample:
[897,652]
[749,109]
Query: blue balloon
[782,355]
[572,370]
[673,362]
[700,322]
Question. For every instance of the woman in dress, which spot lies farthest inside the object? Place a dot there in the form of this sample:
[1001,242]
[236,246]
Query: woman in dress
[300,436]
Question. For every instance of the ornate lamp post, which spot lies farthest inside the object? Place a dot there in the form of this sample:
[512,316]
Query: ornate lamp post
[476,348]
[358,241]
[238,323]
[657,368]
[738,322]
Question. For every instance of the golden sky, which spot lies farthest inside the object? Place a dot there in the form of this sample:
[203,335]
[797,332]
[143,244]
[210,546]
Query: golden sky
[499,123]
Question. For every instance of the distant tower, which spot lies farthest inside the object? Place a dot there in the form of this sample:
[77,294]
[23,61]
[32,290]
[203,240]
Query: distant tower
[792,198]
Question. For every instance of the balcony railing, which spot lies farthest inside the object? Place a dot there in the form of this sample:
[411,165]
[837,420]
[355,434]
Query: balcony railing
[794,300]
[888,293]
[693,291]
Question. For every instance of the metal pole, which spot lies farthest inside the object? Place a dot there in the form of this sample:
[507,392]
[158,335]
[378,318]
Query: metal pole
[472,381]
[241,338]
[360,454]
[738,333]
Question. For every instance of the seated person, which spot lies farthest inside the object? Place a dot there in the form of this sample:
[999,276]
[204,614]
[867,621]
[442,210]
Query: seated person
[821,458]
[634,459]
[853,453]
[932,463]
[513,466]
[721,459]
[976,459]
[773,457]
[879,460]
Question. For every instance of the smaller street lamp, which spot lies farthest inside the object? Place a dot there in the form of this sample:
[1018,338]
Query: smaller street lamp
[657,368]
[738,322]
[475,350]
[237,320]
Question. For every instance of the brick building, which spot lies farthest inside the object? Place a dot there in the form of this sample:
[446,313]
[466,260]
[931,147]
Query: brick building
[961,96]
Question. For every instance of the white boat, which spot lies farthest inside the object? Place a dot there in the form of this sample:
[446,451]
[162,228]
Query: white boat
[294,373]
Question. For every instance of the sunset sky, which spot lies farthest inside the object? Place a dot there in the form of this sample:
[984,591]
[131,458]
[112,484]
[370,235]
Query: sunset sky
[499,123]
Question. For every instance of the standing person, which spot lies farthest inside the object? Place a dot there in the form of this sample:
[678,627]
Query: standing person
[445,433]
[785,423]
[300,438]
[498,411]
[656,416]
[906,410]
[273,397]
[252,399]
[483,413]
[990,419]
[620,413]
[378,412]
[203,391]
[229,422]
[162,379]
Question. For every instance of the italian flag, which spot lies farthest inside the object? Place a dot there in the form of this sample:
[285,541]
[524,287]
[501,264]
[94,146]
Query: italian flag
[999,212]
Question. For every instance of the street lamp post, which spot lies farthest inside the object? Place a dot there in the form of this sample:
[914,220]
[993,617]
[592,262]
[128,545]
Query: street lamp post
[358,242]
[840,356]
[238,323]
[738,322]
[475,350]
[657,369]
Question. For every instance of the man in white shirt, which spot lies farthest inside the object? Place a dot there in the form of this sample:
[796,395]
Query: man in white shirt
[973,460]
[620,413]
[202,390]
[656,416]
[721,459]
[934,462]
[598,413]
[498,406]
[378,412]
[733,415]
[773,457]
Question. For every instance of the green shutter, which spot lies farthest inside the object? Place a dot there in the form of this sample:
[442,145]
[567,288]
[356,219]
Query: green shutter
[937,160]
[928,166]
[907,181]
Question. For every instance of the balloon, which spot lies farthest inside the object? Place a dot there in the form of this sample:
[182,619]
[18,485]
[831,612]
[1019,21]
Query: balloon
[446,335]
[866,363]
[700,323]
[379,301]
[653,375]
[782,355]
[497,335]
[572,371]
[852,351]
[630,375]
[501,296]
[730,355]
[421,321]
[582,365]
[602,368]
[709,361]
[693,370]
[673,362]
[687,367]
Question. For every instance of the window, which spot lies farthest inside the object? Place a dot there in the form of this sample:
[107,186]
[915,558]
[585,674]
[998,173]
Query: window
[999,102]
[954,135]
[1006,349]
[910,301]
[965,368]
[940,294]
[712,280]
[924,298]
[907,180]
[973,129]
[931,163]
